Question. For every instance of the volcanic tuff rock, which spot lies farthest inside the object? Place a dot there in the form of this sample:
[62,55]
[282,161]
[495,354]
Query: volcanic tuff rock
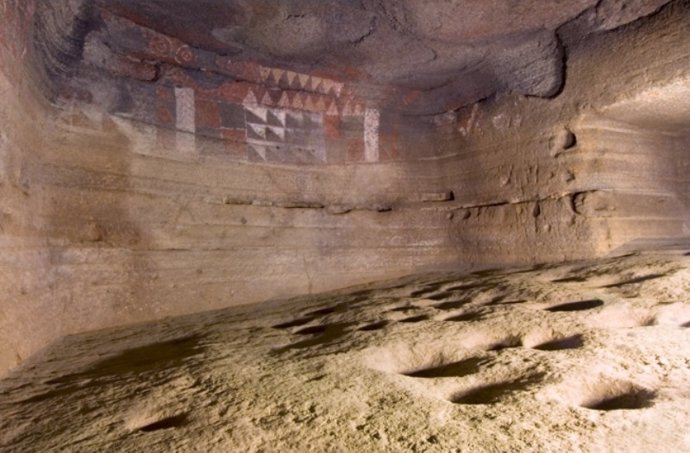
[160,158]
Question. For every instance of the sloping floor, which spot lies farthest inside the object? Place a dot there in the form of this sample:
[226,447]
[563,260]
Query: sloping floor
[587,356]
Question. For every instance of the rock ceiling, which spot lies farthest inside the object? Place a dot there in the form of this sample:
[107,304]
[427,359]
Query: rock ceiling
[421,57]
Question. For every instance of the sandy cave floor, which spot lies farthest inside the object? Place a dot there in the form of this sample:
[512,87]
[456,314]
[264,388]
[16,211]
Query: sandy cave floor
[588,356]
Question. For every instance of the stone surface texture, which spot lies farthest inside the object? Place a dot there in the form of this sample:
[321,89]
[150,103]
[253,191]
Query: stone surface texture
[589,356]
[162,158]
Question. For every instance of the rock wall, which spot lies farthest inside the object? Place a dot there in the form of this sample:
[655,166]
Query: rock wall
[599,166]
[164,189]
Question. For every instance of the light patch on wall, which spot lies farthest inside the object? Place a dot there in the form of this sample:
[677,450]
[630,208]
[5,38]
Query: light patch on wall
[469,125]
[184,103]
[372,123]
[3,155]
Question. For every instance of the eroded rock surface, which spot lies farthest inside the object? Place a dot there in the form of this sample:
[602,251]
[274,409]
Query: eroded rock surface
[164,158]
[589,356]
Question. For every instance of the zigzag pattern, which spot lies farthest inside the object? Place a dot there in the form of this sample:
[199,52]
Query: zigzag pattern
[305,101]
[298,81]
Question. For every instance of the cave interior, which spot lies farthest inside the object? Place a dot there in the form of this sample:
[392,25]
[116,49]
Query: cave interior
[394,225]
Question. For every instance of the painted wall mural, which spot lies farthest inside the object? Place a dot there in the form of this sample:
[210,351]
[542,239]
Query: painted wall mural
[239,108]
[286,135]
[275,114]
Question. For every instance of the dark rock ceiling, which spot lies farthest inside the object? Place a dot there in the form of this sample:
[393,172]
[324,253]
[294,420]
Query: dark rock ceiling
[418,56]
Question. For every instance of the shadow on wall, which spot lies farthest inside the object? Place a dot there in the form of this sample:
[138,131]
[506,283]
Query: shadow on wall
[74,259]
[71,262]
[96,248]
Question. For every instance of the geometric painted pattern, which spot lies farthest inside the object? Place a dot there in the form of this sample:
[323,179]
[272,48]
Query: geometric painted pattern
[299,100]
[299,81]
[372,124]
[283,135]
